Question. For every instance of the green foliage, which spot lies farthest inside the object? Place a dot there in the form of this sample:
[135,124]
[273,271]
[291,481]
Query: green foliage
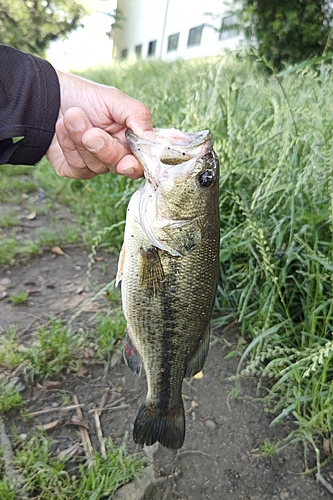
[273,137]
[19,298]
[31,25]
[287,31]
[110,328]
[47,478]
[54,348]
[9,397]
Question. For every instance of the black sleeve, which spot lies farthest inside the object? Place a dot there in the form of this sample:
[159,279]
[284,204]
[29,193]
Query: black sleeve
[29,106]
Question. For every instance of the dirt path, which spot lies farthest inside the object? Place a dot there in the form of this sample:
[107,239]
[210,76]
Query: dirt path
[222,456]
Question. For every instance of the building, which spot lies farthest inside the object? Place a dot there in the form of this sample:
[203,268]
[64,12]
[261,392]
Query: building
[172,29]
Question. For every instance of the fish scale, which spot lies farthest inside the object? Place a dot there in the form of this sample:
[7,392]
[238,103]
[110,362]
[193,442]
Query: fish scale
[169,268]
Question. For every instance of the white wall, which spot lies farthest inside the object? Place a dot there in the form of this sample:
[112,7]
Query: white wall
[148,20]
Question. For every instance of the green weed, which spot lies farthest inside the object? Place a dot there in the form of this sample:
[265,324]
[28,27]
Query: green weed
[67,235]
[109,330]
[269,448]
[46,475]
[55,347]
[9,396]
[19,298]
[8,220]
[273,136]
[12,249]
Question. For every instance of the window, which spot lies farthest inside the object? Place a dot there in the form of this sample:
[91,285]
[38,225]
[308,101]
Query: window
[124,53]
[173,42]
[229,28]
[194,36]
[138,50]
[152,48]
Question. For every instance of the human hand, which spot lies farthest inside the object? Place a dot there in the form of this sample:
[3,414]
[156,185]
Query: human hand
[90,131]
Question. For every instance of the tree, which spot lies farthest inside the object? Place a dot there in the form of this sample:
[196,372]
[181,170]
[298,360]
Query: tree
[287,31]
[31,25]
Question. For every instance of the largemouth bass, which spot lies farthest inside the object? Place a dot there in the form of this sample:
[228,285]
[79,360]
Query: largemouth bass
[169,267]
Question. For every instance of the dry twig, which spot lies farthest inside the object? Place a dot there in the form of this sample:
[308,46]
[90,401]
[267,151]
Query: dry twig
[98,423]
[60,408]
[325,483]
[108,408]
[89,451]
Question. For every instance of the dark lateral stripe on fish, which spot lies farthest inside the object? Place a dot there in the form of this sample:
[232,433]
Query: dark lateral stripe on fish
[152,425]
[170,320]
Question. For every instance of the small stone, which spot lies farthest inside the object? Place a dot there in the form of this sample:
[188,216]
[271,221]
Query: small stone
[209,422]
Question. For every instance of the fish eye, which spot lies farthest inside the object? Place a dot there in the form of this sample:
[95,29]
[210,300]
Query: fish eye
[206,178]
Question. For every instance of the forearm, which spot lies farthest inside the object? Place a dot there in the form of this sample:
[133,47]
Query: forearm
[29,106]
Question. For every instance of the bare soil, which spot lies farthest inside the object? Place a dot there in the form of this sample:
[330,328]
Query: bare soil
[222,457]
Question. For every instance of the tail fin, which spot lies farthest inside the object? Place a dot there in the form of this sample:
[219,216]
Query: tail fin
[153,425]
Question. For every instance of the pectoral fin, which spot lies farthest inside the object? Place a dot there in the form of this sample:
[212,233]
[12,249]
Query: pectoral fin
[197,362]
[121,262]
[151,270]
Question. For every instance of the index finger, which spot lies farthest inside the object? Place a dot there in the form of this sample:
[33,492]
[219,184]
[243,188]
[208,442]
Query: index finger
[133,114]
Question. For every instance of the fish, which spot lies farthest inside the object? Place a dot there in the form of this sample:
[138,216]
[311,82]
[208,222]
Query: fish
[169,270]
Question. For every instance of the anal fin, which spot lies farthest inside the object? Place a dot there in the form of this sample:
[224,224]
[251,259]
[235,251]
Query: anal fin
[131,355]
[197,362]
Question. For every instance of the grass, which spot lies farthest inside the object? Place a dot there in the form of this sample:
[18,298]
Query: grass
[19,298]
[46,477]
[273,135]
[9,397]
[55,348]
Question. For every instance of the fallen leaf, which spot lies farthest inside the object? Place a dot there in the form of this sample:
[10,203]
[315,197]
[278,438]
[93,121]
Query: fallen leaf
[57,250]
[89,352]
[78,421]
[5,281]
[198,376]
[25,196]
[327,447]
[52,384]
[31,216]
[115,358]
[82,371]
[72,451]
[32,291]
[48,427]
[194,404]
[98,259]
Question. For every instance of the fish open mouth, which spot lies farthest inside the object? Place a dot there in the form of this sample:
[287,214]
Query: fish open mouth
[172,147]
[180,144]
